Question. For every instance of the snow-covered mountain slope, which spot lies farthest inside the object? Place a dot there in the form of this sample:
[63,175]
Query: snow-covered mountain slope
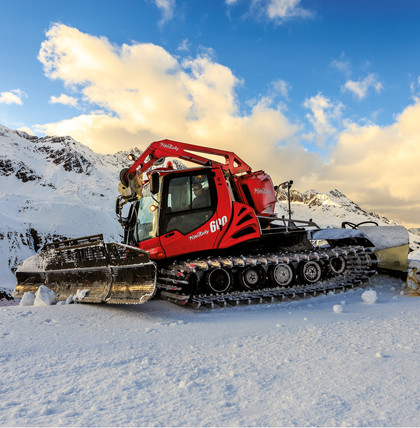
[55,187]
[52,187]
[326,209]
[415,231]
[333,208]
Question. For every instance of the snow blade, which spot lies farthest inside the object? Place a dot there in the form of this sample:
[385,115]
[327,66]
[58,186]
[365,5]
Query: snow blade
[98,272]
[391,246]
[390,243]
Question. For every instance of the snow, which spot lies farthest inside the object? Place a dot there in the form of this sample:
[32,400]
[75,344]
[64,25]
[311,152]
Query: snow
[414,259]
[80,295]
[369,297]
[28,299]
[383,237]
[295,363]
[32,264]
[44,296]
[333,233]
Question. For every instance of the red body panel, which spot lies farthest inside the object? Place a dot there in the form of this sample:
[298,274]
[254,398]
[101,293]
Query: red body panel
[153,247]
[243,226]
[204,237]
[256,190]
[201,239]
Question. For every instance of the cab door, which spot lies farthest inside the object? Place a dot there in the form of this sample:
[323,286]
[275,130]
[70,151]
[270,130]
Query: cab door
[188,207]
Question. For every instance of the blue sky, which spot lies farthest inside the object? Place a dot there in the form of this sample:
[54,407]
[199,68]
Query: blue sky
[338,41]
[325,92]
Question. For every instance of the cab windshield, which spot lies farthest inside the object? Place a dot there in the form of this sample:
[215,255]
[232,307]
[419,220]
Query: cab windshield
[146,224]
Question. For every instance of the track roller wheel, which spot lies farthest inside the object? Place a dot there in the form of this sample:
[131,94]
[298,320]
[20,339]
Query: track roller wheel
[251,278]
[282,275]
[218,280]
[310,272]
[337,265]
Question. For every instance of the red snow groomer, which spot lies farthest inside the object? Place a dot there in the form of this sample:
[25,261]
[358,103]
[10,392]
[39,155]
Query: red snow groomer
[209,235]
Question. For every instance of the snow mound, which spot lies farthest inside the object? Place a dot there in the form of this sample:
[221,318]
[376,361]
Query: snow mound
[28,299]
[32,264]
[68,301]
[337,309]
[369,297]
[44,296]
[80,295]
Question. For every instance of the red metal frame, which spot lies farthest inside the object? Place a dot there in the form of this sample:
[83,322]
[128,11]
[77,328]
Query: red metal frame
[184,151]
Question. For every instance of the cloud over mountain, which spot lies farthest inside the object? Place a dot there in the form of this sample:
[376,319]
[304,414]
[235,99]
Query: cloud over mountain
[140,93]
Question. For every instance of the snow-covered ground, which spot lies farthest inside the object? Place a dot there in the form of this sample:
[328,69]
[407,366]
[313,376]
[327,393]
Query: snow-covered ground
[297,363]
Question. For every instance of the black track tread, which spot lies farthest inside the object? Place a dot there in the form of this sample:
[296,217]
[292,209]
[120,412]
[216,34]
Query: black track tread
[356,274]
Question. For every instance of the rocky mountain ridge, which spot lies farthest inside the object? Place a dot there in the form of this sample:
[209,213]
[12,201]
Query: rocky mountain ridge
[53,188]
[332,201]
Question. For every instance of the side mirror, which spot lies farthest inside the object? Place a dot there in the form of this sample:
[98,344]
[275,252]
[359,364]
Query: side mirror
[118,206]
[154,183]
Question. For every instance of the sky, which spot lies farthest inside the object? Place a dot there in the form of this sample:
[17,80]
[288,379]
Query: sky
[323,92]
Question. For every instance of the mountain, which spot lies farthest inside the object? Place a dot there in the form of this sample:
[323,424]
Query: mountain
[53,188]
[326,209]
[56,188]
[415,231]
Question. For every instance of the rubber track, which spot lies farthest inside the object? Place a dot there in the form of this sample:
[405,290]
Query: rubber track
[360,267]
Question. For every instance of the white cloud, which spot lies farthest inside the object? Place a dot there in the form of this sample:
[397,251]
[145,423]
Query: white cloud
[281,10]
[27,130]
[342,64]
[167,7]
[64,99]
[184,46]
[278,11]
[282,87]
[360,88]
[149,94]
[12,97]
[324,113]
[377,167]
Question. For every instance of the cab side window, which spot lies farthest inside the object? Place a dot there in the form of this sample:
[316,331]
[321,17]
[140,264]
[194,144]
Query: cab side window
[189,203]
[179,194]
